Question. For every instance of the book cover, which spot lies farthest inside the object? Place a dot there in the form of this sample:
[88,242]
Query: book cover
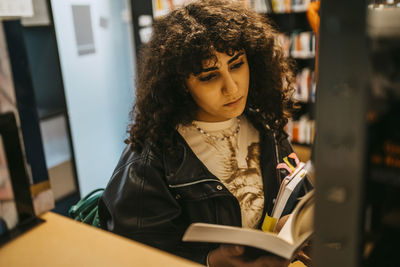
[292,188]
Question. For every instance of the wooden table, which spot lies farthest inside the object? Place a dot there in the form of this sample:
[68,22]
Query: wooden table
[60,241]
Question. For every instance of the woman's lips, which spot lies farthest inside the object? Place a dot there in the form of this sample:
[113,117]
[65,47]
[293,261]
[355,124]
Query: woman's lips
[233,103]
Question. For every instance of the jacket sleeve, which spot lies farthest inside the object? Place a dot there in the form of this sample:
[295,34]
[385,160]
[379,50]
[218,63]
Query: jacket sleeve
[138,204]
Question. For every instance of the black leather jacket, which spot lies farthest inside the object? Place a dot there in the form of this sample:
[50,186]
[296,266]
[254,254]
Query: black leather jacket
[152,197]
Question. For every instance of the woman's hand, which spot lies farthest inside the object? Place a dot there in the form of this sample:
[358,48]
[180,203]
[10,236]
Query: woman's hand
[304,253]
[232,256]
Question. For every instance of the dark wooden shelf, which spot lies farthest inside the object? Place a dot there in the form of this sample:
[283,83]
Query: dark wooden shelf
[289,22]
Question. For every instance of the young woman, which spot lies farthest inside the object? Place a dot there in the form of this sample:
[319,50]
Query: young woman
[207,132]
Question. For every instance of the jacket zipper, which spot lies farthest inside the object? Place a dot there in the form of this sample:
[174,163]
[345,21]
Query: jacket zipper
[278,178]
[276,159]
[219,182]
[192,183]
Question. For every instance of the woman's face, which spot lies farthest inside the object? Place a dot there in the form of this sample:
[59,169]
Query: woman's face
[221,89]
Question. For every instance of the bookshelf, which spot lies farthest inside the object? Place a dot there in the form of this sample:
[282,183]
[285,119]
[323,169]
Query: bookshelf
[299,42]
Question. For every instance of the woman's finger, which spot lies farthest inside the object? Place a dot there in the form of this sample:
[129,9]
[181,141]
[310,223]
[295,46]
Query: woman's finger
[232,250]
[304,258]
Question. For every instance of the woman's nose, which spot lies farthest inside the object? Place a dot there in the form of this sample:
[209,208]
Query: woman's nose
[229,86]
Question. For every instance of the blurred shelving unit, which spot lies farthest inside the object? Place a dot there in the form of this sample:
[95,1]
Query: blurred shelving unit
[299,43]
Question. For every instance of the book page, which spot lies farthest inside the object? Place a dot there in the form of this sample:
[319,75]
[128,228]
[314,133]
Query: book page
[303,223]
[300,222]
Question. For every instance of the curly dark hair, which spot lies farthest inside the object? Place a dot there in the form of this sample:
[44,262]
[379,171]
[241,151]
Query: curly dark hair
[180,42]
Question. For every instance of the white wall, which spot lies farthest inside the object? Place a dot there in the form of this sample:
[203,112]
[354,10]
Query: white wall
[98,87]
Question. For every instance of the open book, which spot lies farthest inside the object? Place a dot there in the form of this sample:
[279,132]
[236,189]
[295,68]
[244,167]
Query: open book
[296,231]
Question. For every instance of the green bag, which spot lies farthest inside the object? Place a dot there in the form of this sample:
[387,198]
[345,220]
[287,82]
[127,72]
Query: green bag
[86,210]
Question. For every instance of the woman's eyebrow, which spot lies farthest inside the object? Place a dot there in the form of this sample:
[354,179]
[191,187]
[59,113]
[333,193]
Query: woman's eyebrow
[209,69]
[235,57]
[229,61]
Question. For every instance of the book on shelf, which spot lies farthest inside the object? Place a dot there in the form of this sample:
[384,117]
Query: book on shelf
[299,44]
[305,86]
[295,232]
[284,6]
[260,6]
[301,131]
[302,44]
[163,7]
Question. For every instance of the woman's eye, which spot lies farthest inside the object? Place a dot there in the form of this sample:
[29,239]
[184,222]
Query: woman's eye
[207,77]
[237,65]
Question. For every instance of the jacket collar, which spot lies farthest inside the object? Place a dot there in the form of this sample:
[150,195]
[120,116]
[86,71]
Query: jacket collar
[184,167]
